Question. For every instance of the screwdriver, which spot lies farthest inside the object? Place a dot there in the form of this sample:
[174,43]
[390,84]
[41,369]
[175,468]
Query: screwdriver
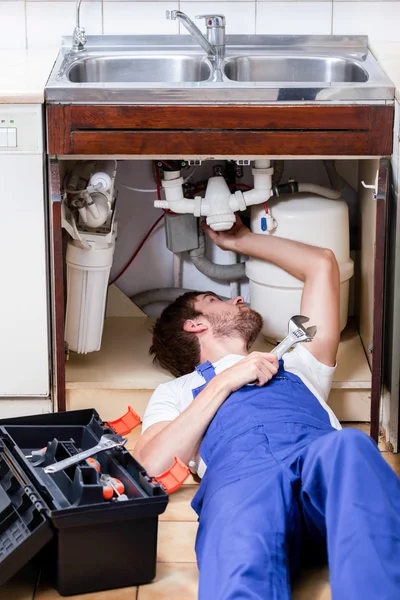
[37,453]
[115,485]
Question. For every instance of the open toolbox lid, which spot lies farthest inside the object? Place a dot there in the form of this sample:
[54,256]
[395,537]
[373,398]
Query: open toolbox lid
[29,517]
[24,526]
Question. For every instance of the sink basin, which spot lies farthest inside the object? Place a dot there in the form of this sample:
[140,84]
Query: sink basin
[296,69]
[257,69]
[140,68]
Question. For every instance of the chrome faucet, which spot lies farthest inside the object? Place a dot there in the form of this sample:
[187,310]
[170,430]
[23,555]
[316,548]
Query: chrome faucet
[214,43]
[78,36]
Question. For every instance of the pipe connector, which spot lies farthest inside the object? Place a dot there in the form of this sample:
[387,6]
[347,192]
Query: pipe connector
[221,222]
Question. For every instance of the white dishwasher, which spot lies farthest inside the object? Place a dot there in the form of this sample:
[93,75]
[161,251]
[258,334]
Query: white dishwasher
[24,295]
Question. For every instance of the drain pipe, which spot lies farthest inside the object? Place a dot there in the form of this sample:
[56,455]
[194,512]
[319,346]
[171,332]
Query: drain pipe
[158,295]
[214,271]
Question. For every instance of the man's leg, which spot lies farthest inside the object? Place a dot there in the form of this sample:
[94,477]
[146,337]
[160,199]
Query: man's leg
[350,495]
[249,533]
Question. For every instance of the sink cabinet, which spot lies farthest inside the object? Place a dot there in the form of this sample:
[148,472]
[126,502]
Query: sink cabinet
[235,131]
[221,130]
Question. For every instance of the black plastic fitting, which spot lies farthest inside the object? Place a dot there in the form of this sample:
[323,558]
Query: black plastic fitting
[291,187]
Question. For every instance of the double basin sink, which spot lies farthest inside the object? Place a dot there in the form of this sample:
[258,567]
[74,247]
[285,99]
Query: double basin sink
[173,69]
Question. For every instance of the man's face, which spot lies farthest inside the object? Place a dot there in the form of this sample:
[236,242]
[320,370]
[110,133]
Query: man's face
[231,318]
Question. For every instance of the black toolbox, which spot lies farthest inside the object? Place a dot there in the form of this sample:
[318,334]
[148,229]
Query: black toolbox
[86,543]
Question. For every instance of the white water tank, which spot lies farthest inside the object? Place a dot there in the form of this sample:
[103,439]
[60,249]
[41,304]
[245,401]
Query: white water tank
[308,218]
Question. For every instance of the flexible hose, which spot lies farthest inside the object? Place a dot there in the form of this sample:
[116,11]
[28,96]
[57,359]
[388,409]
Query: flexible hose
[157,295]
[313,188]
[293,187]
[279,166]
[333,175]
[133,189]
[214,271]
[160,295]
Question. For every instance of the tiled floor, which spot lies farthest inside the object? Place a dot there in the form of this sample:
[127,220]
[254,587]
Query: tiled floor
[176,570]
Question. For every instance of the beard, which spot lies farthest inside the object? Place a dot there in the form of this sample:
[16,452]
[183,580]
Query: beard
[246,325]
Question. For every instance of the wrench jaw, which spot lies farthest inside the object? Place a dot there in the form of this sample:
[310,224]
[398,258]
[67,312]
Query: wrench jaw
[296,323]
[296,334]
[311,331]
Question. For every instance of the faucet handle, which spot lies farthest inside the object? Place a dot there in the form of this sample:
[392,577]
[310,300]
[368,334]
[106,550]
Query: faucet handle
[213,20]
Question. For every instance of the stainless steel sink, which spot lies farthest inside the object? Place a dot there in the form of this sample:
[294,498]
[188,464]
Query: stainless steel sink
[256,70]
[295,69]
[140,68]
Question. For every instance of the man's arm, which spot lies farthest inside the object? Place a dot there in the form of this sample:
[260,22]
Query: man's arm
[181,437]
[317,267]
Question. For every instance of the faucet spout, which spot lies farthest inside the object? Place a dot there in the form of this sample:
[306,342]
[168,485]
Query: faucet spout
[78,36]
[192,29]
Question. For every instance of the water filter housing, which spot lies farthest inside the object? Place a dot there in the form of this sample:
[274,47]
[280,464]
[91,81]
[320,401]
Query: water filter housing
[88,272]
[307,218]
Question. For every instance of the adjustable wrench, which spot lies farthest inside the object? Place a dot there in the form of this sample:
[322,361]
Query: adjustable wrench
[106,443]
[296,335]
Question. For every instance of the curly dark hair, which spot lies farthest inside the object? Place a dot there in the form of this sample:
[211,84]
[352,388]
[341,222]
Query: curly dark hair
[173,348]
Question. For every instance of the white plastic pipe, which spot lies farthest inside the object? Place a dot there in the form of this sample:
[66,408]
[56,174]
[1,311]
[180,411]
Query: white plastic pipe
[262,163]
[219,205]
[180,206]
[94,211]
[262,173]
[256,196]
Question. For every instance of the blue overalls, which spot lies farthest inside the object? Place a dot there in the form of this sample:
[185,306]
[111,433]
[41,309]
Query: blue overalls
[278,474]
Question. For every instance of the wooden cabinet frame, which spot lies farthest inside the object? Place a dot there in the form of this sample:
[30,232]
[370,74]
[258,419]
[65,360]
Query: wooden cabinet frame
[358,130]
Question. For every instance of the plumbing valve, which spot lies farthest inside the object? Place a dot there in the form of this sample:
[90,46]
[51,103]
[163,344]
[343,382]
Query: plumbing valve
[268,223]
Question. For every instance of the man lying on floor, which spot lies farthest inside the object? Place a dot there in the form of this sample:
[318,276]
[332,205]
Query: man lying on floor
[276,467]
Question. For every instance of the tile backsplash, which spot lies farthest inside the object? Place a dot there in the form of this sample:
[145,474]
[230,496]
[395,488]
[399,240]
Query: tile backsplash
[41,23]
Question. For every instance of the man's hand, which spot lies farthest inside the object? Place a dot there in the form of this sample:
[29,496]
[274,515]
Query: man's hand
[182,437]
[257,367]
[228,240]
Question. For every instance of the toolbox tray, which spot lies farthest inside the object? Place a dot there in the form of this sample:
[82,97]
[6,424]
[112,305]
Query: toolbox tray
[90,544]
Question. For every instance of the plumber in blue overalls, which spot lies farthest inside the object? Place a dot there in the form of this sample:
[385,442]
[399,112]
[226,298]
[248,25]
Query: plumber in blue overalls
[280,478]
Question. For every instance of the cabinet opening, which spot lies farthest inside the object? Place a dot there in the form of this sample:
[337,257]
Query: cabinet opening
[121,372]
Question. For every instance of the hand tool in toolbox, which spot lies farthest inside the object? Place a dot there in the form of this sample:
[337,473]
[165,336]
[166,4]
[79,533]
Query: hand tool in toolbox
[111,485]
[40,454]
[37,453]
[297,334]
[107,442]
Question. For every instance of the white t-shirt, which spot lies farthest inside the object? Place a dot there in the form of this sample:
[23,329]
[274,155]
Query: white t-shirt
[170,399]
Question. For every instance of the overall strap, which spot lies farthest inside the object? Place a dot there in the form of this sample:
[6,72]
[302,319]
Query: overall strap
[206,370]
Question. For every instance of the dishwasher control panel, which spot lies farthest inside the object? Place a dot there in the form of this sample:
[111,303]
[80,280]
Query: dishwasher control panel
[21,128]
